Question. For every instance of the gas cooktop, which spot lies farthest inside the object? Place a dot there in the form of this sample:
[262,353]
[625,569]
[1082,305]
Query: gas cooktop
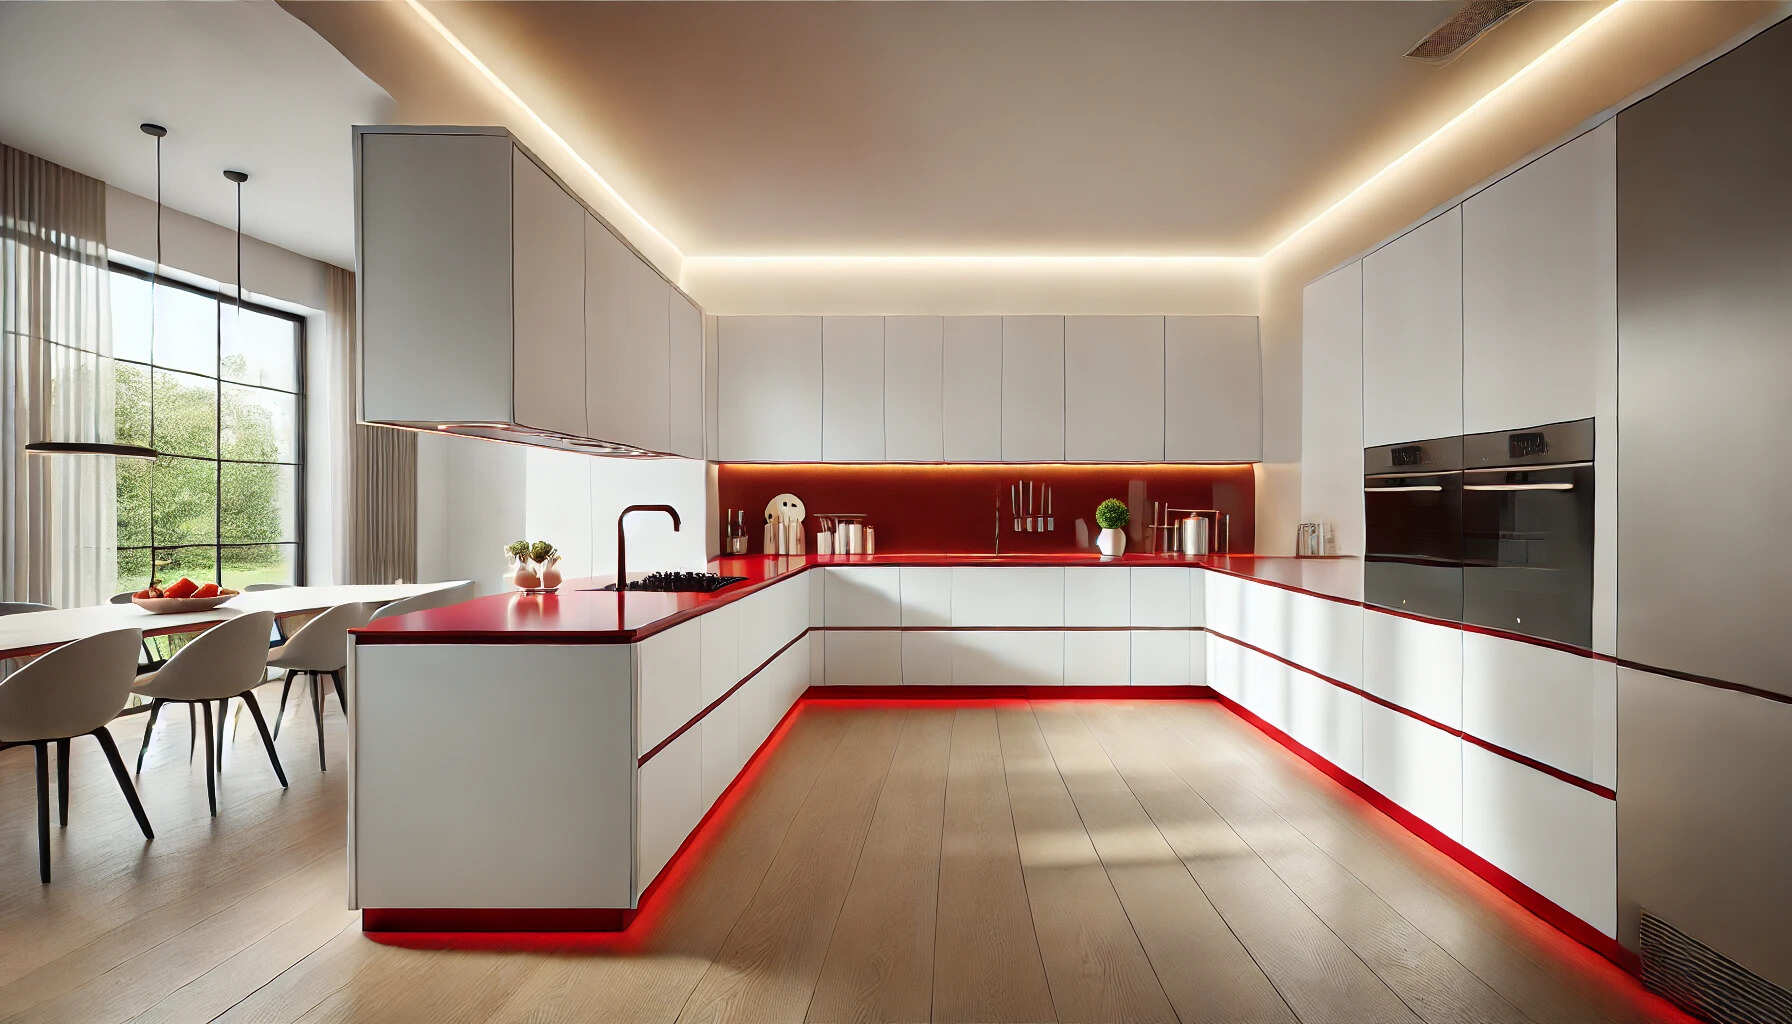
[680,582]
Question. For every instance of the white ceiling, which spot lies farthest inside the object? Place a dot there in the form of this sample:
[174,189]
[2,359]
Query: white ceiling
[905,128]
[240,85]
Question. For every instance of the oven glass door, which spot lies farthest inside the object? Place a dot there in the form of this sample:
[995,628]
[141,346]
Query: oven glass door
[1413,542]
[1528,551]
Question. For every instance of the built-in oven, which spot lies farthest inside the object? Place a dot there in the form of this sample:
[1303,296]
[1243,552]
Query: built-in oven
[1412,517]
[1527,529]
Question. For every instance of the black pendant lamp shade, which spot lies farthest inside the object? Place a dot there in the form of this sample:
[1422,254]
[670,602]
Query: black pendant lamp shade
[125,451]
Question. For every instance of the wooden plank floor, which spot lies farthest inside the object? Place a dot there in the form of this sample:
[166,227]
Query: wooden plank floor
[963,861]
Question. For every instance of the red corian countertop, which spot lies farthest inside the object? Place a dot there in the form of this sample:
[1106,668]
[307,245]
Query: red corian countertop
[578,613]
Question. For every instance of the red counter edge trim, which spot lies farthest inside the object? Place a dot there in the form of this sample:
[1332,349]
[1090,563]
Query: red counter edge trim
[1511,755]
[1530,899]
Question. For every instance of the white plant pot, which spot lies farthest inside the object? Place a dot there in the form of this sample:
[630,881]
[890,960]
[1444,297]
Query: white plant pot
[1111,543]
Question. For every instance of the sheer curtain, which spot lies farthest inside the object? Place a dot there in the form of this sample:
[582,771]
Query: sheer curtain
[58,513]
[375,517]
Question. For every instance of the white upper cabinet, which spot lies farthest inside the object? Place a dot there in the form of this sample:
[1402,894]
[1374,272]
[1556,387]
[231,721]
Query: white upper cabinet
[1331,406]
[972,389]
[547,260]
[627,332]
[685,365]
[1213,389]
[914,375]
[1114,388]
[769,388]
[1032,388]
[1539,288]
[434,236]
[852,388]
[1412,334]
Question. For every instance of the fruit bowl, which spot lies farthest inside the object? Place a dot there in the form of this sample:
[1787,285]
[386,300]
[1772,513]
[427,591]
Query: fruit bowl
[175,605]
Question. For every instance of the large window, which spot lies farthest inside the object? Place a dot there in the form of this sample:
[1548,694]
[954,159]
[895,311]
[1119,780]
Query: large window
[220,396]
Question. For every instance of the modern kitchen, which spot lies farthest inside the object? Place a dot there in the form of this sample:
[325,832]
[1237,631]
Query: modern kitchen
[926,511]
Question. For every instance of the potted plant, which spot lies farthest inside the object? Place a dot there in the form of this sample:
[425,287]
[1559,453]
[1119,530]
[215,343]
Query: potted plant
[1112,516]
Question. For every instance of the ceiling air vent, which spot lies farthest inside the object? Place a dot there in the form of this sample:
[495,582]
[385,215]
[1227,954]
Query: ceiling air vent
[1467,25]
[1704,982]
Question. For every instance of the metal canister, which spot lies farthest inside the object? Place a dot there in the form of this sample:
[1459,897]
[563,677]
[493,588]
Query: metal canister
[1194,535]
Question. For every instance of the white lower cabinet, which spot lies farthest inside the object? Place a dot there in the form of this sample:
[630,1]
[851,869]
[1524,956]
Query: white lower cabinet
[721,668]
[1095,596]
[670,801]
[1326,719]
[926,596]
[862,595]
[864,657]
[1161,657]
[1559,708]
[1009,658]
[1417,665]
[1414,765]
[927,657]
[1098,657]
[1007,597]
[722,757]
[1556,838]
[668,682]
[1160,597]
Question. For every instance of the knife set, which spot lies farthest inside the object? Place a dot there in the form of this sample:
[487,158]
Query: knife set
[1030,507]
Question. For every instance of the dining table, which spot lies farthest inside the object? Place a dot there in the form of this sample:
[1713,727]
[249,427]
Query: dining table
[29,634]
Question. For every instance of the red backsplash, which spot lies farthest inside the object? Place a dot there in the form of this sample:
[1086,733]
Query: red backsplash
[952,508]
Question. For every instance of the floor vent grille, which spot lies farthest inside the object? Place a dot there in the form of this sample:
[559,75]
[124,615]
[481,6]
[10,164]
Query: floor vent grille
[1706,983]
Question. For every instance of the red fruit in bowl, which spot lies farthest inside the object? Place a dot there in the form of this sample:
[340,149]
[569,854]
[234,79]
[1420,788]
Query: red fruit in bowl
[180,588]
[143,594]
[206,590]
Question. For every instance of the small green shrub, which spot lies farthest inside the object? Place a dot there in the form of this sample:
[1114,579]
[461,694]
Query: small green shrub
[540,550]
[518,549]
[1112,514]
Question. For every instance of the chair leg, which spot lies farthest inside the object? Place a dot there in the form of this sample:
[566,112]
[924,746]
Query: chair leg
[267,740]
[223,706]
[285,692]
[341,691]
[62,780]
[155,709]
[211,772]
[43,810]
[192,732]
[317,714]
[124,780]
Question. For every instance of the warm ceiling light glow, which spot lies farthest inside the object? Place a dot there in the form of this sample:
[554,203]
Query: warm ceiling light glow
[993,258]
[1536,62]
[510,94]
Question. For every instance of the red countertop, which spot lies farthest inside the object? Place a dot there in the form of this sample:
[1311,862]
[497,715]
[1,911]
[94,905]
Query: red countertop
[579,614]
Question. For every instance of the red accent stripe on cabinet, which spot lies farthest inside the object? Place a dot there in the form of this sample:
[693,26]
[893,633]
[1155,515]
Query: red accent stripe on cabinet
[1525,896]
[1511,755]
[495,919]
[714,704]
[925,693]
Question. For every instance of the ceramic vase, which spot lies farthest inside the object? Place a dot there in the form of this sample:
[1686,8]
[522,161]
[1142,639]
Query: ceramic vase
[550,572]
[1111,543]
[523,575]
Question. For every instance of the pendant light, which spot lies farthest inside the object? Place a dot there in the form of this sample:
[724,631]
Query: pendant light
[97,447]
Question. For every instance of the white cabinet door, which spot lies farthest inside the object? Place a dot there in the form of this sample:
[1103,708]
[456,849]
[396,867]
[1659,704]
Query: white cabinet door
[1032,388]
[1160,597]
[1008,658]
[671,801]
[926,596]
[721,668]
[1008,597]
[1414,765]
[1559,708]
[863,657]
[1539,288]
[548,272]
[1213,389]
[1114,388]
[769,388]
[1097,657]
[972,390]
[1331,407]
[722,757]
[668,682]
[852,388]
[1161,657]
[685,363]
[627,336]
[863,595]
[1417,665]
[1412,334]
[914,375]
[1100,595]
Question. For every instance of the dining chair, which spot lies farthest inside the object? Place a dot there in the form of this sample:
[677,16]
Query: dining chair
[319,648]
[227,660]
[71,691]
[20,607]
[423,602]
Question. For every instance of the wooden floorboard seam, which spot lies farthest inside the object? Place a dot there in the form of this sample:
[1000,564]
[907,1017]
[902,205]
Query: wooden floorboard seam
[295,965]
[1021,865]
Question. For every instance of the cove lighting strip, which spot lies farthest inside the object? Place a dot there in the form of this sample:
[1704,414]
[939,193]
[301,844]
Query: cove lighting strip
[491,76]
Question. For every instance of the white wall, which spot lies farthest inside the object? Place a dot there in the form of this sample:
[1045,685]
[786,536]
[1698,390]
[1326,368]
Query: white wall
[474,497]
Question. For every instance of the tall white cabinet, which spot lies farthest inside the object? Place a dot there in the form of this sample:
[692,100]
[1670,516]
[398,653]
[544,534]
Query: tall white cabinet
[1540,289]
[1113,371]
[1331,408]
[685,362]
[548,315]
[1412,334]
[627,332]
[1032,388]
[971,394]
[852,388]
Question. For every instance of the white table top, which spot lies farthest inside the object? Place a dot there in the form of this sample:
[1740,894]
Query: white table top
[33,632]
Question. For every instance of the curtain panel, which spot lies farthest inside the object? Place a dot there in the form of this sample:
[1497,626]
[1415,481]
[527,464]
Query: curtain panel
[376,515]
[58,515]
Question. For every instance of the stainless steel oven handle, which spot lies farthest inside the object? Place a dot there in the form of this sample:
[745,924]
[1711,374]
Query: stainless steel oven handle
[1563,486]
[1403,490]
